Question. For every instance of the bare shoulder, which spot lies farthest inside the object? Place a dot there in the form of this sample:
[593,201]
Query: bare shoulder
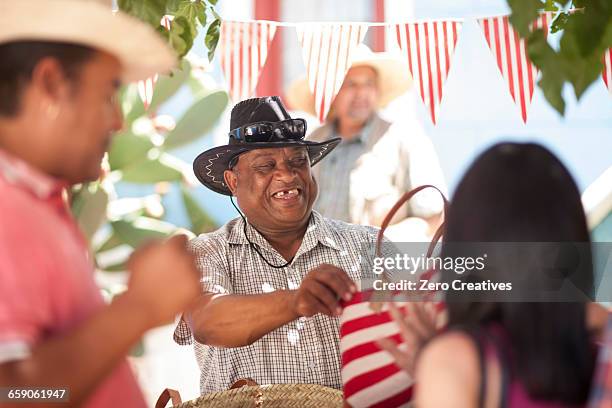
[448,362]
[453,348]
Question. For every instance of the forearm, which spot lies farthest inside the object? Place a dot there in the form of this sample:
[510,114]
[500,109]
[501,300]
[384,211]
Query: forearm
[240,320]
[80,359]
[596,319]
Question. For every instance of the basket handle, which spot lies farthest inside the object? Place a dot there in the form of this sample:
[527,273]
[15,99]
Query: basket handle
[167,395]
[243,382]
[405,197]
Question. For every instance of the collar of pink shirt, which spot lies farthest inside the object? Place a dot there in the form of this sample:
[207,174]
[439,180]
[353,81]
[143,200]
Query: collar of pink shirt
[26,177]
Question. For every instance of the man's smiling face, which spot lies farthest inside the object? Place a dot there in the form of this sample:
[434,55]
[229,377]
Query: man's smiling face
[274,187]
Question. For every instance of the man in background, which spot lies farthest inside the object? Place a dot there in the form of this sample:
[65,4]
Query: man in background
[376,161]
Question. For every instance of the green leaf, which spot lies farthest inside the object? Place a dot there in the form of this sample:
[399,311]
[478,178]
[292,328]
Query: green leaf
[190,10]
[181,36]
[581,70]
[112,242]
[127,148]
[197,87]
[553,77]
[579,3]
[202,17]
[550,6]
[168,85]
[131,103]
[559,23]
[118,267]
[184,28]
[212,37]
[524,12]
[198,120]
[586,34]
[552,88]
[89,208]
[200,220]
[172,6]
[164,168]
[584,42]
[589,28]
[139,230]
[150,11]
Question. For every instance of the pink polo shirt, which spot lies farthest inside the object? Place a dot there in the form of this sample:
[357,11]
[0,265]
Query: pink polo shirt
[46,275]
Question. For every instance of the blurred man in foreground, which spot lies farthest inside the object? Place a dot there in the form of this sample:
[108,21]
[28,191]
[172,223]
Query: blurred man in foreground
[62,62]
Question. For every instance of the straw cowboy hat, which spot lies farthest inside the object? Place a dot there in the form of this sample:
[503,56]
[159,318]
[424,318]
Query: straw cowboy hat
[141,51]
[393,74]
[258,123]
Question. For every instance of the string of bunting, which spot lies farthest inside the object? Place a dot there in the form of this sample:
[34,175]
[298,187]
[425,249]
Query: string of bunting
[327,48]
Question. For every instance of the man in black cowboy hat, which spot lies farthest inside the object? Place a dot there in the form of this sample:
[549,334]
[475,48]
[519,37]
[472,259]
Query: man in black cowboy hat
[272,279]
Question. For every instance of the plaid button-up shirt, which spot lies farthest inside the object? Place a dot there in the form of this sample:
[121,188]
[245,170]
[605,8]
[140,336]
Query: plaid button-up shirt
[303,351]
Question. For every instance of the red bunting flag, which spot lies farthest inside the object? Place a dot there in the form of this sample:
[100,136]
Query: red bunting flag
[607,69]
[243,49]
[145,87]
[327,51]
[510,52]
[429,48]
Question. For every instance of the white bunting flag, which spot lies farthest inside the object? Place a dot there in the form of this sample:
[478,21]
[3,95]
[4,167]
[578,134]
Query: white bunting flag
[607,69]
[510,52]
[145,87]
[429,48]
[145,90]
[243,49]
[327,51]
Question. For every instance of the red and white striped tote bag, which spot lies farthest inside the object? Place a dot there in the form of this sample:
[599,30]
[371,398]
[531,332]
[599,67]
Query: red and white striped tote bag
[369,374]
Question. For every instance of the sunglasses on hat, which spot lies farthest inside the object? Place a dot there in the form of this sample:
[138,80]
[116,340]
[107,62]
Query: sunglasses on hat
[261,132]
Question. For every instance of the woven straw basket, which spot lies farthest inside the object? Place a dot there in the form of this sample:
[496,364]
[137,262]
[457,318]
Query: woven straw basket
[270,396]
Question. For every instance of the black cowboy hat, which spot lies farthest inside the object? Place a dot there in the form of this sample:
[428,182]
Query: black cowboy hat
[258,123]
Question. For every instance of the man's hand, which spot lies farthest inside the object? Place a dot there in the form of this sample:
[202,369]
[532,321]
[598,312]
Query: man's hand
[417,327]
[164,279]
[321,291]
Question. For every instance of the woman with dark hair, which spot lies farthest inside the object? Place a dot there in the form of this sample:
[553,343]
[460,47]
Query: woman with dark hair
[500,352]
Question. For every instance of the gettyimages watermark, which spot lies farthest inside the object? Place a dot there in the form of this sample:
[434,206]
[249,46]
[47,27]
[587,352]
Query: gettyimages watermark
[491,271]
